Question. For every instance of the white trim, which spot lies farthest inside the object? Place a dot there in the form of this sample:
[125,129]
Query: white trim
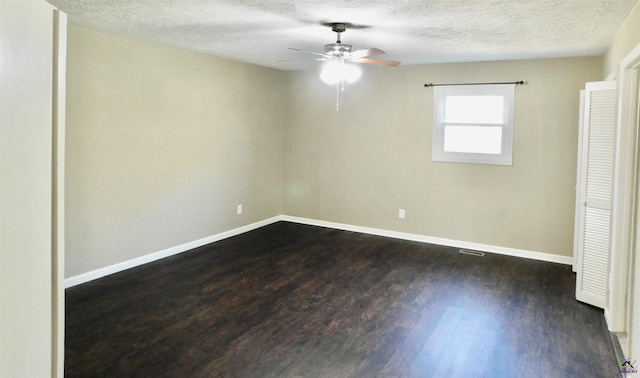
[624,189]
[101,272]
[58,232]
[607,318]
[548,257]
[440,95]
[578,209]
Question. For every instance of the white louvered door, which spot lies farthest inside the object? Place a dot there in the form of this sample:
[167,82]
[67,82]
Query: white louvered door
[594,221]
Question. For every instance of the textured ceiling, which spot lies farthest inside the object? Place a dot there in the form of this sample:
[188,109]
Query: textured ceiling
[412,31]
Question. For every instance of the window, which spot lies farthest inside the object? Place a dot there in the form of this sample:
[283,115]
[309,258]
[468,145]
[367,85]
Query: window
[473,124]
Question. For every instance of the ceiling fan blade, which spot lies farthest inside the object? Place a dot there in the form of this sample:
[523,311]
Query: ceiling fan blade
[391,63]
[307,52]
[366,52]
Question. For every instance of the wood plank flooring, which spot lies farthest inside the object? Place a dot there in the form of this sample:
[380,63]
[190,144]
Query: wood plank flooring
[290,300]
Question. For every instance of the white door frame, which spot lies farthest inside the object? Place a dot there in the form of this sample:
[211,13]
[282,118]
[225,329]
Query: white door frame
[625,189]
[58,188]
[578,205]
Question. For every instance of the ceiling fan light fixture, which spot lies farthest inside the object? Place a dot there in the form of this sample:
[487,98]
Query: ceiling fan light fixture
[336,71]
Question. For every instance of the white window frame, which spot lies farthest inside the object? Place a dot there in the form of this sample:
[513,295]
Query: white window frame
[507,91]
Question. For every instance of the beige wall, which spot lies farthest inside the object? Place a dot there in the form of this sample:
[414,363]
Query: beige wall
[627,37]
[360,165]
[162,144]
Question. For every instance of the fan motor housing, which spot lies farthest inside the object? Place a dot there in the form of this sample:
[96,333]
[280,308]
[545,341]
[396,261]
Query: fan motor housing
[337,49]
[339,27]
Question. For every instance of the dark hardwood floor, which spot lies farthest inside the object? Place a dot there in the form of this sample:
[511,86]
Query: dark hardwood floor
[289,300]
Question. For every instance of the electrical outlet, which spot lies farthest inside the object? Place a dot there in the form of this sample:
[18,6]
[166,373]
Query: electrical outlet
[239,209]
[401,213]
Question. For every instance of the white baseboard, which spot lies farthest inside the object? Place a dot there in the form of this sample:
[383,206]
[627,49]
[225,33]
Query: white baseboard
[99,273]
[607,319]
[567,260]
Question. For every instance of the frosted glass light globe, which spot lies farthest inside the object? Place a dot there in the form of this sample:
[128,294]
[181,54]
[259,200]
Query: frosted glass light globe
[336,71]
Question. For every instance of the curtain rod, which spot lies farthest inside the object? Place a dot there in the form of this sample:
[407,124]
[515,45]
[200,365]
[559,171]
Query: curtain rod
[506,82]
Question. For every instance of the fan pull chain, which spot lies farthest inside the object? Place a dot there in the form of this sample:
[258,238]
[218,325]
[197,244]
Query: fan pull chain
[338,90]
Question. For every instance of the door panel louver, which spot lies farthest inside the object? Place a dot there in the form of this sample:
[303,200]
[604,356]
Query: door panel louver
[595,252]
[600,145]
[596,188]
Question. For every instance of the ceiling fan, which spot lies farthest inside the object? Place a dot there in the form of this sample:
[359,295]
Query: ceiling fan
[344,52]
[336,55]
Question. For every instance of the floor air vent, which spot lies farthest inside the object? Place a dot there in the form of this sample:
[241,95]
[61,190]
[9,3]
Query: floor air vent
[470,252]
